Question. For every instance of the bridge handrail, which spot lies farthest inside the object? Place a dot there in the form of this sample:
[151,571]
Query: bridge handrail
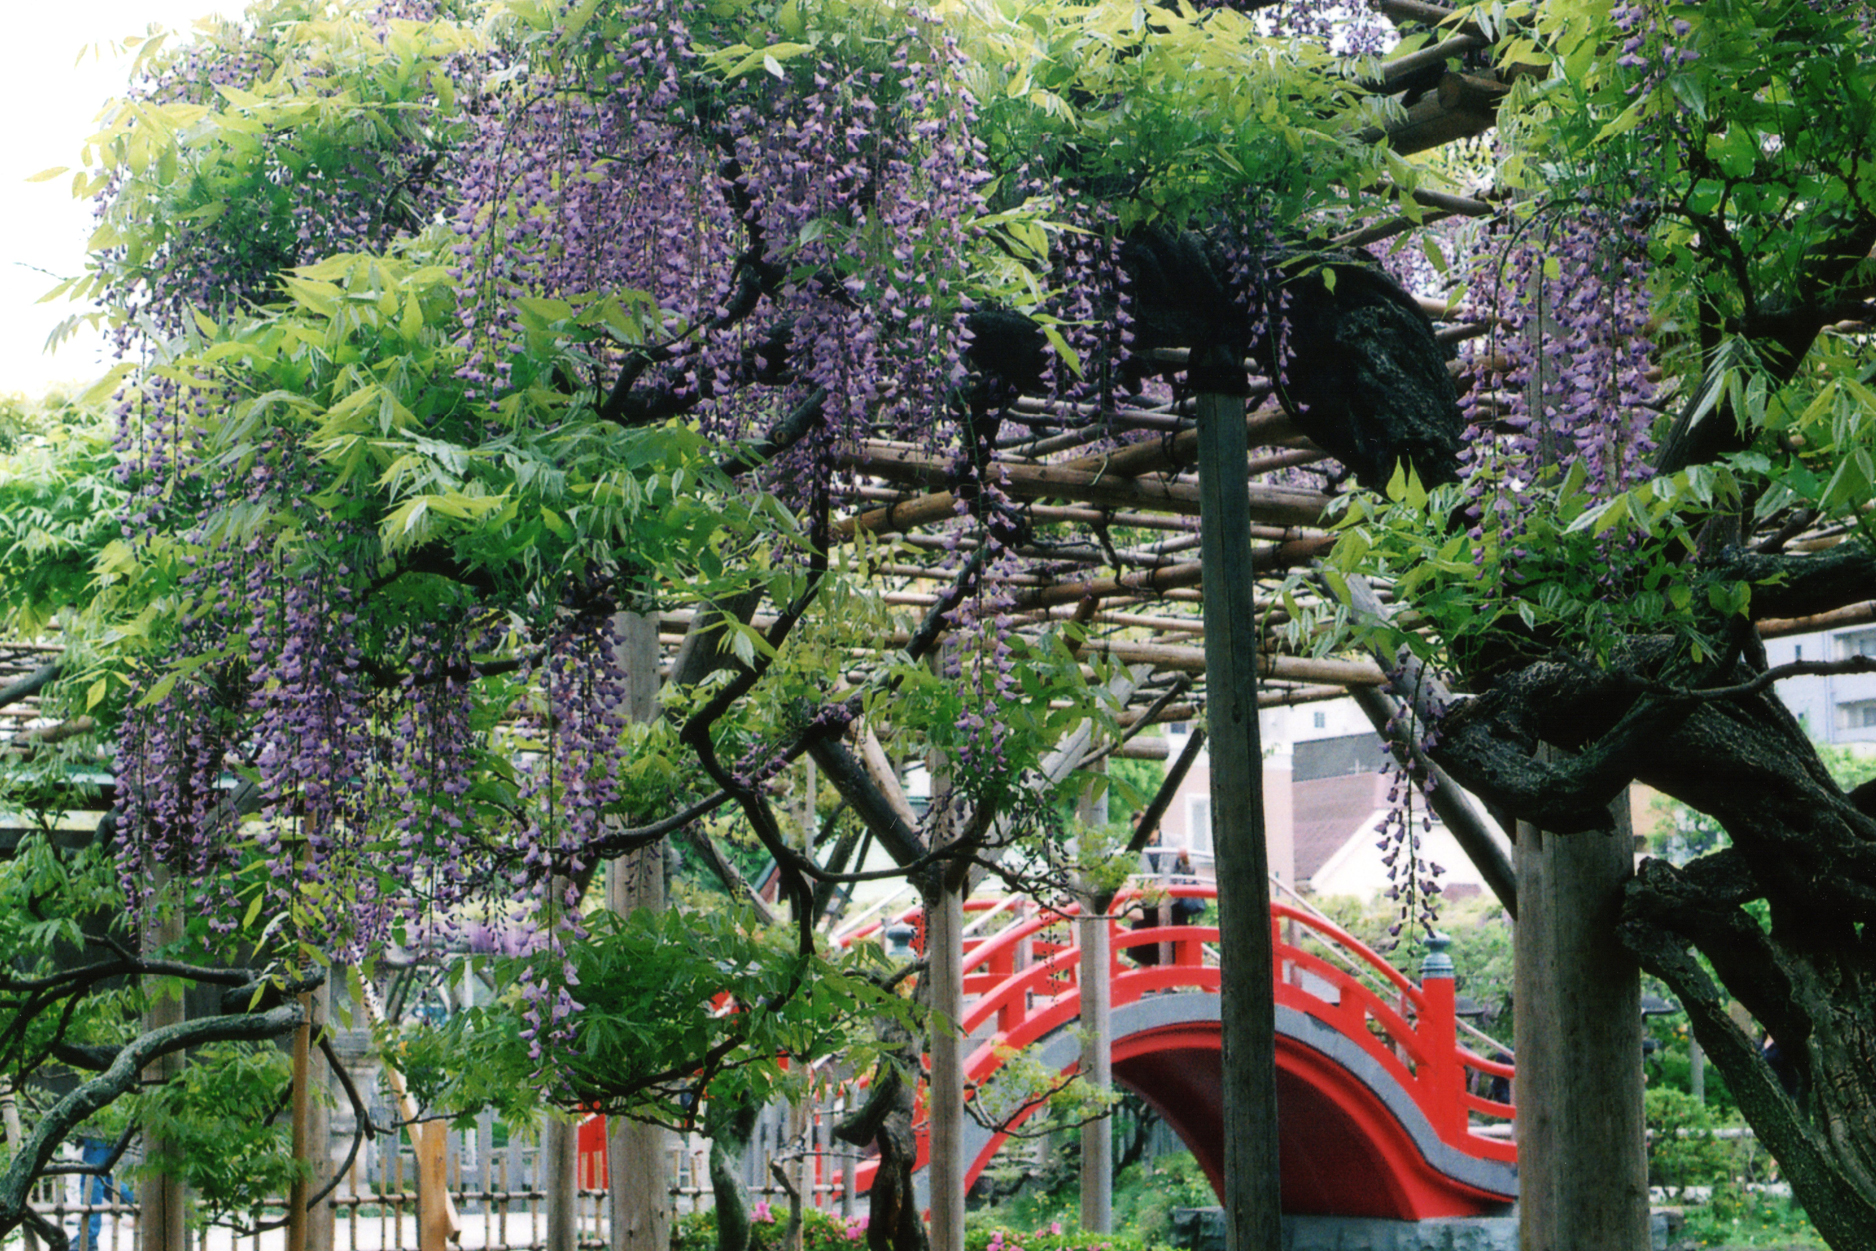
[1322,970]
[1400,1031]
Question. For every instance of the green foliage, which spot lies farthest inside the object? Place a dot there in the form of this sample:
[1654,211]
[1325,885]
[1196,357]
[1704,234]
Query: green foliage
[222,170]
[1540,573]
[1739,210]
[60,504]
[678,1008]
[1034,1100]
[1167,111]
[49,900]
[1481,949]
[221,1124]
[1670,1066]
[220,1118]
[1147,1193]
[358,373]
[820,1231]
[999,719]
[1742,1217]
[1054,1236]
[1132,786]
[1781,100]
[1682,1151]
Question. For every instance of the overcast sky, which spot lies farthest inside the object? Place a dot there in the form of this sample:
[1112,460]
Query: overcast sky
[60,72]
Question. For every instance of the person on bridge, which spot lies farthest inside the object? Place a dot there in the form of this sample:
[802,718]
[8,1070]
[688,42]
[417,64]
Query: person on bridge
[1179,910]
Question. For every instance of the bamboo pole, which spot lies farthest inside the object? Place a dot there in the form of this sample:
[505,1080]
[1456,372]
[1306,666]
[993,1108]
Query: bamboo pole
[437,1222]
[1100,485]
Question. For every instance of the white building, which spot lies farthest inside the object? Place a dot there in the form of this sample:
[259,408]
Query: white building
[1325,802]
[1840,708]
[1326,793]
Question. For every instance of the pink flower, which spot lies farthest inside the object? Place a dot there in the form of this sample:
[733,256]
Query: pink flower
[1055,1227]
[762,1212]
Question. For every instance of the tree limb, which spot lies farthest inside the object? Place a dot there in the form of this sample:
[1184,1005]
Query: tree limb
[89,1097]
[33,683]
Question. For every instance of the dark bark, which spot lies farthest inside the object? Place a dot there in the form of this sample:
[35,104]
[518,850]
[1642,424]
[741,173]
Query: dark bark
[29,685]
[1364,374]
[1799,843]
[84,1101]
[729,1129]
[1357,359]
[885,1120]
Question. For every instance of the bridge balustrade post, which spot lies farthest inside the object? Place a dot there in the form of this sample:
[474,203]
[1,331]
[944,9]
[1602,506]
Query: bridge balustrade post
[1445,1079]
[1002,967]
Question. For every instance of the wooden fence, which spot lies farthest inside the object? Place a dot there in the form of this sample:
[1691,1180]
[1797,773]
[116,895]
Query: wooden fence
[495,1180]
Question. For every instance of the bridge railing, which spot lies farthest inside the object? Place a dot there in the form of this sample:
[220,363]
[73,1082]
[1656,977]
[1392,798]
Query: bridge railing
[1022,982]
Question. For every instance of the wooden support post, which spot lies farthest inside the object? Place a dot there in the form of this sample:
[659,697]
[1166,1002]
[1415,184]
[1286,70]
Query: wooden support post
[1582,1167]
[637,1156]
[300,1187]
[944,948]
[800,1172]
[320,1221]
[437,1223]
[560,1166]
[1253,1203]
[1097,1057]
[10,1121]
[160,1198]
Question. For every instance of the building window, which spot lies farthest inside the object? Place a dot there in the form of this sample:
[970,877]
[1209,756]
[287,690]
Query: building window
[1860,715]
[1861,643]
[1319,719]
[1179,727]
[1199,824]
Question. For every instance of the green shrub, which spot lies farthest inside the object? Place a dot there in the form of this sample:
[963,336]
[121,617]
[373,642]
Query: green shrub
[820,1231]
[1741,1217]
[1053,1237]
[1682,1151]
[1147,1193]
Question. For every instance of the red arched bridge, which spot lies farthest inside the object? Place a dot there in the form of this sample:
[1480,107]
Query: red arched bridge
[1380,1104]
[1377,1109]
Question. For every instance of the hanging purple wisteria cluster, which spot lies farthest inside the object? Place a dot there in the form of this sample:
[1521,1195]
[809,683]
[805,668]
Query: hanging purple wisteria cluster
[1566,377]
[795,232]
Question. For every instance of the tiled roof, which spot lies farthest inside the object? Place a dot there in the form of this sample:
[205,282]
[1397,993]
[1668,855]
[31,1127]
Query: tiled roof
[1328,811]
